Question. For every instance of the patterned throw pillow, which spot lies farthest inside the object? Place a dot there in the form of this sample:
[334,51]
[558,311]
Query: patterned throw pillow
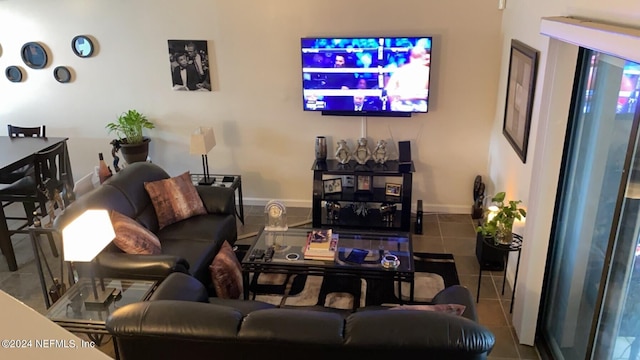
[226,273]
[454,309]
[133,238]
[174,199]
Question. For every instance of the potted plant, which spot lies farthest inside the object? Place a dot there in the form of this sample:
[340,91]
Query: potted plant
[498,223]
[128,128]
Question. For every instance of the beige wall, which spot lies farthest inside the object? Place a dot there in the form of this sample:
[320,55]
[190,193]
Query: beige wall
[255,107]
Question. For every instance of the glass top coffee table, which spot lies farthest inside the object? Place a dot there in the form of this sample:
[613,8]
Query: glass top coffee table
[71,313]
[288,256]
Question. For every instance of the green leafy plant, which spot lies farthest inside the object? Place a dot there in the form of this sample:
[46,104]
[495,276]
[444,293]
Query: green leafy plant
[504,217]
[129,127]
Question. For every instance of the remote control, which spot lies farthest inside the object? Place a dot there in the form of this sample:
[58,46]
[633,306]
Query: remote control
[256,254]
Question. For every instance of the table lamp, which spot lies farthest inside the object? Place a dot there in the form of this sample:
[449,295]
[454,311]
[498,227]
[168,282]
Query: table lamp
[202,141]
[82,240]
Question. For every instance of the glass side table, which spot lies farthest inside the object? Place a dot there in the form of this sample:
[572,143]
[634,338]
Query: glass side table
[515,245]
[71,313]
[232,181]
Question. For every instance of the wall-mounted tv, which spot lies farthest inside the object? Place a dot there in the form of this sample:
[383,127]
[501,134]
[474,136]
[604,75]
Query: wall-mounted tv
[366,76]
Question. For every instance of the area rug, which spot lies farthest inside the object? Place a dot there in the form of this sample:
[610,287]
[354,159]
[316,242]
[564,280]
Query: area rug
[434,272]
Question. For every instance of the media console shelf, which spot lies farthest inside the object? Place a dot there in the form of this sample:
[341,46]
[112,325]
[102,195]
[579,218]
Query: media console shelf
[368,205]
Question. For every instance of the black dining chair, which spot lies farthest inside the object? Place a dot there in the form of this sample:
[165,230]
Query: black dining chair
[20,132]
[42,190]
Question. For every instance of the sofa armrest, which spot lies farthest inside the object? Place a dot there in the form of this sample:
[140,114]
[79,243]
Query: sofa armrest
[218,200]
[147,267]
[179,286]
[458,294]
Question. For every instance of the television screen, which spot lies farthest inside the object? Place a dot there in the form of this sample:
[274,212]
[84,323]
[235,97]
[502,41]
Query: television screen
[366,76]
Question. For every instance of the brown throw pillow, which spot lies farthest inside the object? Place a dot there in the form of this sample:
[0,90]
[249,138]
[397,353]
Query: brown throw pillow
[226,273]
[454,309]
[133,238]
[174,199]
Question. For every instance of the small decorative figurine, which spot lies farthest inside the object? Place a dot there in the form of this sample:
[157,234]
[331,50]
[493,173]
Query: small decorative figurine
[362,153]
[115,147]
[380,155]
[36,219]
[343,154]
[360,208]
[333,211]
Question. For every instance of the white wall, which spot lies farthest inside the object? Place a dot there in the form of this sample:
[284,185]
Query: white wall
[536,181]
[255,107]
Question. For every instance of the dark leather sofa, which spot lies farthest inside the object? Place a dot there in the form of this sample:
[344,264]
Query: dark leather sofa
[188,246]
[181,320]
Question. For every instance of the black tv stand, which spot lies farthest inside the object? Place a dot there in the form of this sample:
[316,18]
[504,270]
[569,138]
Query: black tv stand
[366,113]
[340,209]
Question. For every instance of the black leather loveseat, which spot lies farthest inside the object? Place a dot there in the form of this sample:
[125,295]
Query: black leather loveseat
[180,320]
[188,246]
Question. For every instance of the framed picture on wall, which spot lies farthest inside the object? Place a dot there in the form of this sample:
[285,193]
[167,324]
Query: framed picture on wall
[189,61]
[521,85]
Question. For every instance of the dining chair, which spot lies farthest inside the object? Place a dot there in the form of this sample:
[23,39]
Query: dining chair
[20,132]
[17,131]
[45,186]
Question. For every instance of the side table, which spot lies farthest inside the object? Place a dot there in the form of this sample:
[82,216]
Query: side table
[516,245]
[232,181]
[50,233]
[71,313]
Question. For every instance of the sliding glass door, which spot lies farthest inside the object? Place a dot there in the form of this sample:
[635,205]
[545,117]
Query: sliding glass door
[596,226]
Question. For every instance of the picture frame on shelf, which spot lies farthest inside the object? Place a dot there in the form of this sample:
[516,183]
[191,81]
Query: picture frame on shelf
[364,183]
[332,186]
[391,189]
[347,181]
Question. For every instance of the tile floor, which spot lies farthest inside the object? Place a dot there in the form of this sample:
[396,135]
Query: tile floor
[443,233]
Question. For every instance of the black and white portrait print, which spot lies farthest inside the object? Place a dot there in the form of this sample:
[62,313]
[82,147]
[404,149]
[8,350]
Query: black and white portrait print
[189,65]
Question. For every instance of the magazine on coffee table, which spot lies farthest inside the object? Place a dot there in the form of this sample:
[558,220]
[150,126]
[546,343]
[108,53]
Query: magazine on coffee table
[321,245]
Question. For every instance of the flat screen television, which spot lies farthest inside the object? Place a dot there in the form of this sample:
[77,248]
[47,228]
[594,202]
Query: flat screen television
[366,76]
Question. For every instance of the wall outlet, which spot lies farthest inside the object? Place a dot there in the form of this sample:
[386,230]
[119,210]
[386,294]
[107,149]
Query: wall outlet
[502,4]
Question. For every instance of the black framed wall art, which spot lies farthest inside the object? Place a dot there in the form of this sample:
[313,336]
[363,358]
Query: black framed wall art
[13,74]
[521,85]
[82,46]
[189,65]
[34,55]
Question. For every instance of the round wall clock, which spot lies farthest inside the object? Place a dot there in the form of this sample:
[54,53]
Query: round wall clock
[13,73]
[275,216]
[34,55]
[82,46]
[62,74]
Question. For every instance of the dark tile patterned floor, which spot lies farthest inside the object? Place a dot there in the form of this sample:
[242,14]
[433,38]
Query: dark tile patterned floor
[442,233]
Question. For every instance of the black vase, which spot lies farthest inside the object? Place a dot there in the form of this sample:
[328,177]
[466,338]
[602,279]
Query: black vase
[321,148]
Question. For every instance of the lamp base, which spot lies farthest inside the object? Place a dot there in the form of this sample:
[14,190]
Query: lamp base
[103,299]
[205,181]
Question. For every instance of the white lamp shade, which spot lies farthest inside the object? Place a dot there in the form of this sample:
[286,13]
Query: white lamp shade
[202,141]
[87,235]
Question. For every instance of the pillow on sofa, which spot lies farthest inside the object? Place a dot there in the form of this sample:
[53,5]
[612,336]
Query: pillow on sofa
[454,309]
[226,273]
[174,199]
[133,238]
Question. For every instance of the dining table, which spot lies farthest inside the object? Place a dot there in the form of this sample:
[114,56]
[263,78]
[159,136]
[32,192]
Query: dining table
[16,152]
